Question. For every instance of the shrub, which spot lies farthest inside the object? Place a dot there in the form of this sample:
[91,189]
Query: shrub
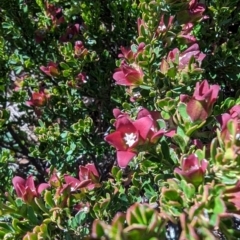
[119,119]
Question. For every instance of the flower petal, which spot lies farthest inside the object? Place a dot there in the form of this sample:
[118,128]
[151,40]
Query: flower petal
[120,79]
[31,185]
[116,139]
[143,125]
[71,181]
[124,157]
[42,187]
[91,167]
[19,185]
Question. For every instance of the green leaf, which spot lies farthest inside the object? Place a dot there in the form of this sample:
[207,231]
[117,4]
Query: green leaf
[64,65]
[48,198]
[32,217]
[161,124]
[200,153]
[181,132]
[66,73]
[99,228]
[219,206]
[171,194]
[40,4]
[171,72]
[142,215]
[182,108]
[165,150]
[188,189]
[193,128]
[41,205]
[146,87]
[180,141]
[165,115]
[114,171]
[134,48]
[81,217]
[213,149]
[231,127]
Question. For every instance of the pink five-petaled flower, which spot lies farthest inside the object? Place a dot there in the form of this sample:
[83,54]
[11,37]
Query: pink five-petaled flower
[128,135]
[51,69]
[192,170]
[200,105]
[88,178]
[38,99]
[127,75]
[26,189]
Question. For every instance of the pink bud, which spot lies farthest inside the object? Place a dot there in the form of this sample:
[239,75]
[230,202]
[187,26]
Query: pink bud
[192,170]
[200,105]
[127,75]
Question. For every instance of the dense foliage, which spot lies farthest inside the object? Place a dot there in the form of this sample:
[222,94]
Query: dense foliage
[119,119]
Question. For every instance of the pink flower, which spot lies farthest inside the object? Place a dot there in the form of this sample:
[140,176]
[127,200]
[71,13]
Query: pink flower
[154,133]
[192,170]
[128,135]
[182,60]
[187,28]
[131,55]
[200,105]
[26,189]
[51,69]
[185,34]
[162,26]
[82,77]
[117,113]
[79,49]
[127,75]
[196,10]
[127,54]
[232,115]
[193,13]
[235,111]
[88,178]
[186,56]
[38,99]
